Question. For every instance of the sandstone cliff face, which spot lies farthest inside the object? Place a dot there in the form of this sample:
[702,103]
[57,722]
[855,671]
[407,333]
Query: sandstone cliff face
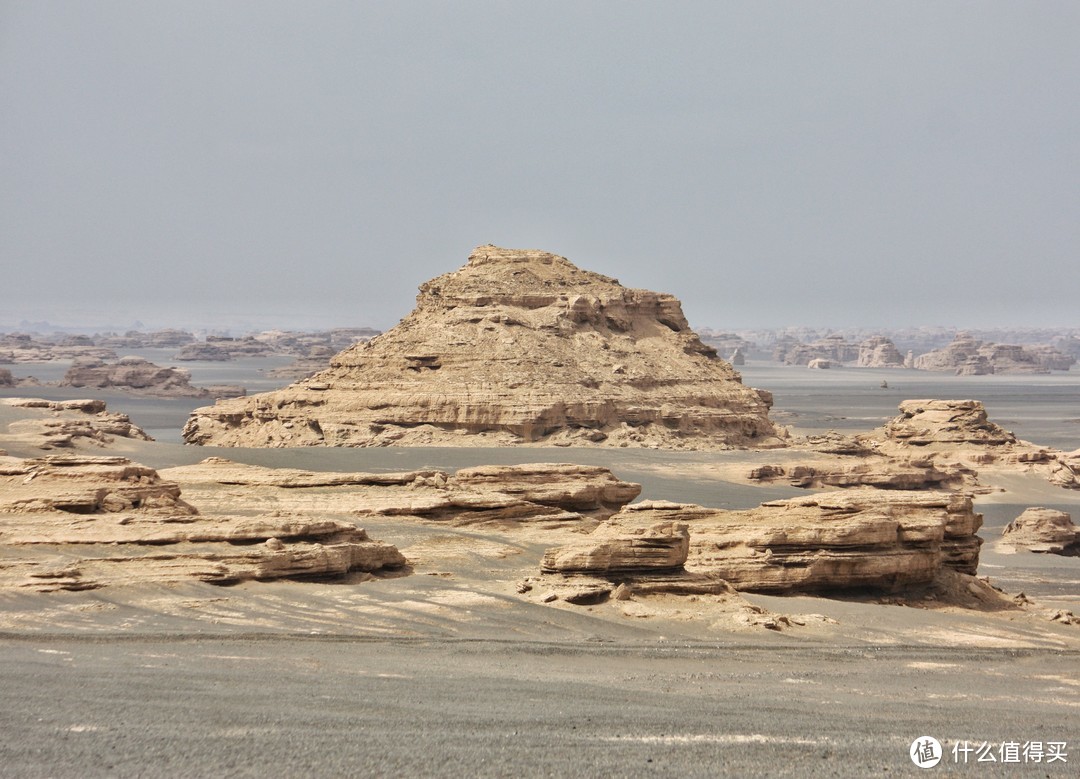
[518,346]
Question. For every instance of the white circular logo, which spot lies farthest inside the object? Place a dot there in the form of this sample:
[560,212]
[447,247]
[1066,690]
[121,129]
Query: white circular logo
[925,751]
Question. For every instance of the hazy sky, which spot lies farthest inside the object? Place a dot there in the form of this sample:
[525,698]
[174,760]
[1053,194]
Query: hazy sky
[770,163]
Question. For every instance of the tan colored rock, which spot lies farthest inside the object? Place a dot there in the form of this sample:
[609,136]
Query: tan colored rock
[879,352]
[969,356]
[886,539]
[70,423]
[1043,530]
[833,350]
[931,444]
[581,488]
[132,373]
[923,422]
[880,472]
[76,522]
[611,550]
[547,494]
[518,346]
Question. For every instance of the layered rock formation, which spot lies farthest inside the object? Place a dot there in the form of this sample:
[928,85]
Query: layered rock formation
[969,356]
[76,523]
[833,348]
[930,444]
[949,422]
[879,352]
[518,346]
[20,348]
[1044,530]
[70,422]
[223,349]
[545,495]
[132,373]
[826,542]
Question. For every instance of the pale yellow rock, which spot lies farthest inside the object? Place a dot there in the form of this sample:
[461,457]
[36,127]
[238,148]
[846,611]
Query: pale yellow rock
[516,347]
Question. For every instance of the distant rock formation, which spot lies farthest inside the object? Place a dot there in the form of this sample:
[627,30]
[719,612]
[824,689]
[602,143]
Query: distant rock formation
[738,359]
[21,347]
[879,352]
[834,351]
[223,348]
[967,356]
[832,348]
[1043,530]
[136,339]
[516,347]
[6,379]
[132,373]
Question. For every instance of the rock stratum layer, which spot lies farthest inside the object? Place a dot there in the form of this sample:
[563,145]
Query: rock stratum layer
[78,523]
[516,347]
[824,542]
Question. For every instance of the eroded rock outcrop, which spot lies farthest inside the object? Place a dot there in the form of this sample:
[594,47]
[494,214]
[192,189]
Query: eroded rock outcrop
[516,347]
[613,550]
[931,444]
[948,422]
[850,539]
[132,373]
[833,349]
[76,523]
[969,356]
[844,540]
[1044,530]
[879,352]
[69,423]
[543,494]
